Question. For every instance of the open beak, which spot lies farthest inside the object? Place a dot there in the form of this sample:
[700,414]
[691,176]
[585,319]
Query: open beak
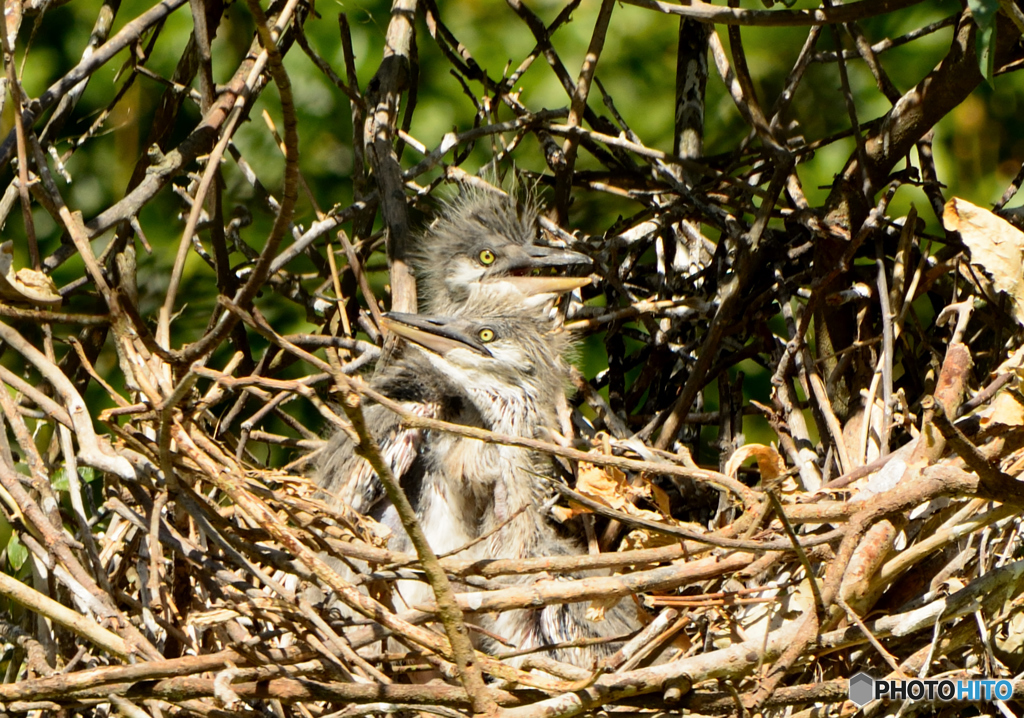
[531,286]
[540,258]
[437,334]
[552,257]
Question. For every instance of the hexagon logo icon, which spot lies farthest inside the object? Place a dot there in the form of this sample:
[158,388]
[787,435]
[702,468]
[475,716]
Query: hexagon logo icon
[862,689]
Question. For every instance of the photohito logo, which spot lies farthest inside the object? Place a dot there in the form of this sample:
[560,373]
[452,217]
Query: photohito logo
[864,689]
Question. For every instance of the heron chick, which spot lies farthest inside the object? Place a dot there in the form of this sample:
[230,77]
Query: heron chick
[498,367]
[500,371]
[483,245]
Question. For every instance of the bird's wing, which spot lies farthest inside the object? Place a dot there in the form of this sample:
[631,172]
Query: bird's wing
[348,478]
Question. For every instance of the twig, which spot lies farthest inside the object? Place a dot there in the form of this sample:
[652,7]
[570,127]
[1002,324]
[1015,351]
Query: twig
[448,609]
[563,178]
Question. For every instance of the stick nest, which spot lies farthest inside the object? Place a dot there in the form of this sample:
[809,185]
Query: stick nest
[805,413]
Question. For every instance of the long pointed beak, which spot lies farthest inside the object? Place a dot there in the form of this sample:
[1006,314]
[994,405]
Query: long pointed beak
[552,257]
[531,286]
[535,257]
[437,334]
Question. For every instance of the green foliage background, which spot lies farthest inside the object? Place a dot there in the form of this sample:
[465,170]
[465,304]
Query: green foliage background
[978,147]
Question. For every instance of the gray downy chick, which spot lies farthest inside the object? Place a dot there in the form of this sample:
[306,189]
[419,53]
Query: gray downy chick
[484,246]
[508,365]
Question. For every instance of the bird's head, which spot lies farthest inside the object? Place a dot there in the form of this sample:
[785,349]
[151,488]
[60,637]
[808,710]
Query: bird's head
[482,244]
[484,350]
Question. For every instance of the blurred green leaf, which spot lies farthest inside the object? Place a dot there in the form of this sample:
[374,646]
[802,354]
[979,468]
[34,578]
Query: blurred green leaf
[984,14]
[59,480]
[17,554]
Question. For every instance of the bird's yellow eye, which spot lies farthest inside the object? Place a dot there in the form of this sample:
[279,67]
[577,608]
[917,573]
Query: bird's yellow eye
[487,257]
[486,335]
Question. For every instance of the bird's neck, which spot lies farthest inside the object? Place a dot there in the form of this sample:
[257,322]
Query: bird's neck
[509,409]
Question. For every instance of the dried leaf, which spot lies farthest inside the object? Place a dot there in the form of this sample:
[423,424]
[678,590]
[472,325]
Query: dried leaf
[599,607]
[607,485]
[1006,409]
[754,620]
[563,514]
[35,287]
[661,500]
[645,538]
[25,285]
[997,248]
[681,642]
[612,488]
[951,585]
[1012,363]
[769,462]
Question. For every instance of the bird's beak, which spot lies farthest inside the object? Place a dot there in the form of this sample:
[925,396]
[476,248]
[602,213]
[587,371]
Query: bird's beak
[536,257]
[532,286]
[552,257]
[437,334]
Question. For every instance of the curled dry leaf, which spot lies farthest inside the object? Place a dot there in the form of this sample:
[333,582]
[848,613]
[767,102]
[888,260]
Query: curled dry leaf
[645,538]
[769,463]
[996,246]
[611,487]
[1014,362]
[661,499]
[951,585]
[751,622]
[25,285]
[1007,409]
[564,513]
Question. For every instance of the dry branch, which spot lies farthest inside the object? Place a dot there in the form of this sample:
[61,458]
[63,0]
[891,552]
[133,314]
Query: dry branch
[193,566]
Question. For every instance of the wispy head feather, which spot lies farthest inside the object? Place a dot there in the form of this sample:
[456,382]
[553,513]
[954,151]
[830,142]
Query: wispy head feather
[447,257]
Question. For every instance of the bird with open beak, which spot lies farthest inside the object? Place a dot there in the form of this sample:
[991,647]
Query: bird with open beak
[484,245]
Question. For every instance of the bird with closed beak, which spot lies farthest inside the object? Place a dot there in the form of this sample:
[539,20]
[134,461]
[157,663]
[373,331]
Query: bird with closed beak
[500,369]
[487,355]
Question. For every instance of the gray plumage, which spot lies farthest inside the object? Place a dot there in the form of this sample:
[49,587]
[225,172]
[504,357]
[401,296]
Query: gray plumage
[346,478]
[421,389]
[482,246]
[494,366]
[488,357]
